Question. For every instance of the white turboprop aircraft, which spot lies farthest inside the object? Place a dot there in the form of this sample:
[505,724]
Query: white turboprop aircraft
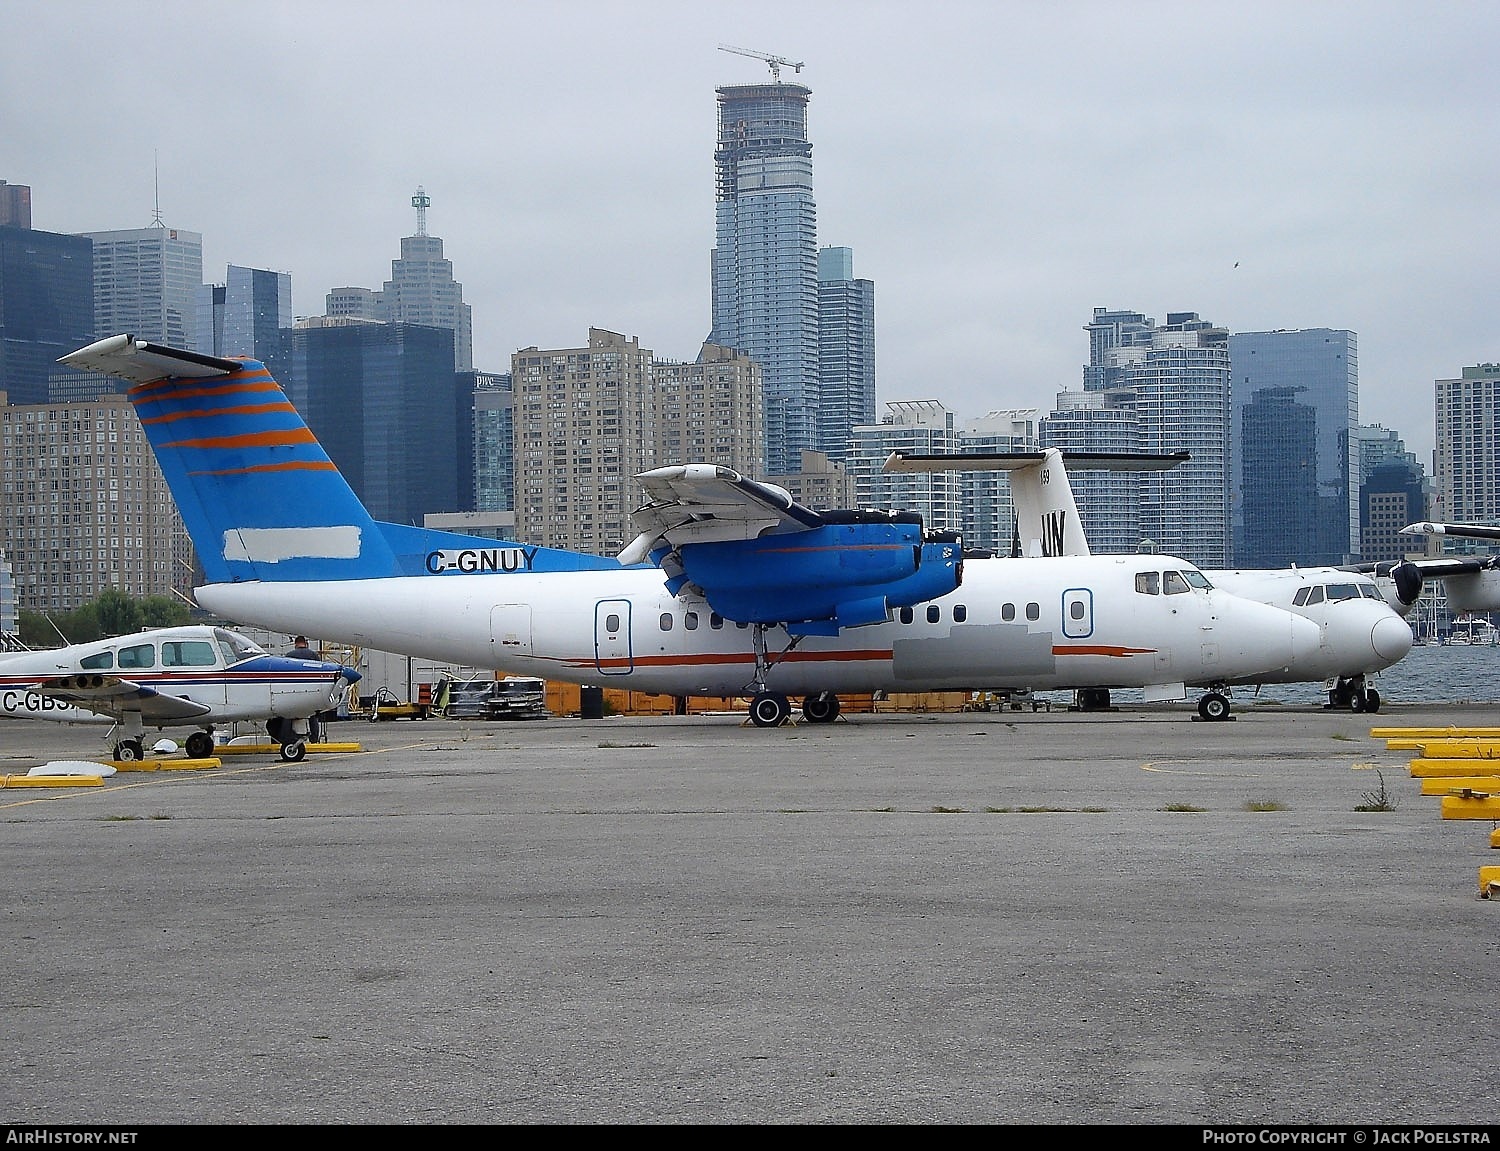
[1359,632]
[731,589]
[1470,583]
[195,675]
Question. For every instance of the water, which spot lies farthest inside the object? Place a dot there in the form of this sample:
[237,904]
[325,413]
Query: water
[1425,675]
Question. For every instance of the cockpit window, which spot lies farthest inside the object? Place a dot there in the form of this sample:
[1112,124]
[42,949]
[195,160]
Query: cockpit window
[1148,583]
[1197,579]
[1370,591]
[1174,583]
[1342,591]
[1300,599]
[1315,594]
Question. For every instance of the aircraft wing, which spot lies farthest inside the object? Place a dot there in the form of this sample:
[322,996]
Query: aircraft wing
[115,697]
[1462,531]
[706,503]
[759,557]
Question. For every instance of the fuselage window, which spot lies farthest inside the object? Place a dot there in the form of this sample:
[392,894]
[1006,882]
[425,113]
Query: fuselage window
[187,653]
[1075,609]
[1033,612]
[142,655]
[1174,583]
[1148,583]
[960,613]
[666,621]
[690,620]
[1008,611]
[612,622]
[904,615]
[933,613]
[715,620]
[101,662]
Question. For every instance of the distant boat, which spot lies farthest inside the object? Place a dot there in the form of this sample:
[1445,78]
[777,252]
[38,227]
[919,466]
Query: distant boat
[1473,633]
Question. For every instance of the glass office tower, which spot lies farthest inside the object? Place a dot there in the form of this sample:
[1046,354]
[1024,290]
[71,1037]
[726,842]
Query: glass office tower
[765,259]
[1294,474]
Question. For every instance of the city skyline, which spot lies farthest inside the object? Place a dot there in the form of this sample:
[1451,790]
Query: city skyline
[998,171]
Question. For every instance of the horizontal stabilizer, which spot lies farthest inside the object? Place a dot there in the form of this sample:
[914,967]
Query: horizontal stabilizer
[142,362]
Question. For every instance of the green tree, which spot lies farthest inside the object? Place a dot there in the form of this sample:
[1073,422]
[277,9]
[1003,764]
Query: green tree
[164,611]
[118,613]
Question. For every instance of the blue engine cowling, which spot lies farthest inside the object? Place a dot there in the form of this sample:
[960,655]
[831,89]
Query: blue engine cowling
[851,570]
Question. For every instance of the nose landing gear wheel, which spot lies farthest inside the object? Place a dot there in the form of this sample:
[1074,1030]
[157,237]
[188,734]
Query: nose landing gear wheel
[769,709]
[294,751]
[130,751]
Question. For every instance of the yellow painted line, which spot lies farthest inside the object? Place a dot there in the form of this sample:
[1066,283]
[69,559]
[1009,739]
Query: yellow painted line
[1471,807]
[1443,784]
[51,781]
[1425,768]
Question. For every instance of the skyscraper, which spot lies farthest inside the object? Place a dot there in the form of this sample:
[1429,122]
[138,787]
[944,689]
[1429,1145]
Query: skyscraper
[921,427]
[146,282]
[1172,382]
[46,300]
[249,314]
[1466,463]
[381,400]
[422,290]
[1294,474]
[846,351]
[765,259]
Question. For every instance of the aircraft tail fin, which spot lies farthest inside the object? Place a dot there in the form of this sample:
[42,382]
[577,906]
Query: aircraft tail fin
[1047,520]
[258,494]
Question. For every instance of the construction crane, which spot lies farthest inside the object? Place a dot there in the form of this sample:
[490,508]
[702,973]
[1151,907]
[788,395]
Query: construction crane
[775,62]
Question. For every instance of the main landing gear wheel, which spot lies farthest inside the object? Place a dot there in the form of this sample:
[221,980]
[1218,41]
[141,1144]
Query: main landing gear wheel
[200,745]
[294,751]
[130,751]
[1214,706]
[768,709]
[821,708]
[1372,700]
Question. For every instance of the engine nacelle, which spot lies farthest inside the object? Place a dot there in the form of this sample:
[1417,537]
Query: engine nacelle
[840,574]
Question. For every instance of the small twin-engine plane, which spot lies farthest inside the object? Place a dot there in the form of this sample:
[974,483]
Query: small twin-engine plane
[196,675]
[731,588]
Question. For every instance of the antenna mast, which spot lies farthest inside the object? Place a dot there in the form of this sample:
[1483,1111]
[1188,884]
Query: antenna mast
[776,63]
[420,202]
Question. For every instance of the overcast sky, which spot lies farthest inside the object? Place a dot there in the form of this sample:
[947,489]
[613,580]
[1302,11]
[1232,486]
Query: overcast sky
[999,169]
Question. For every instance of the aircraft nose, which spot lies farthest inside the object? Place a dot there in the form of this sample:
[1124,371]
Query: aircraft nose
[1391,637]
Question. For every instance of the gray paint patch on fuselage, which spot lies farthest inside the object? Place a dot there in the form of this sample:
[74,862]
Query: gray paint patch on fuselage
[970,652]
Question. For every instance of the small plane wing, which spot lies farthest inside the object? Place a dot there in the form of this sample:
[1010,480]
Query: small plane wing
[706,503]
[141,362]
[115,697]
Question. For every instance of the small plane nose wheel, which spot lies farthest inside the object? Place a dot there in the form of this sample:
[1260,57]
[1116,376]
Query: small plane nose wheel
[294,751]
[129,751]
